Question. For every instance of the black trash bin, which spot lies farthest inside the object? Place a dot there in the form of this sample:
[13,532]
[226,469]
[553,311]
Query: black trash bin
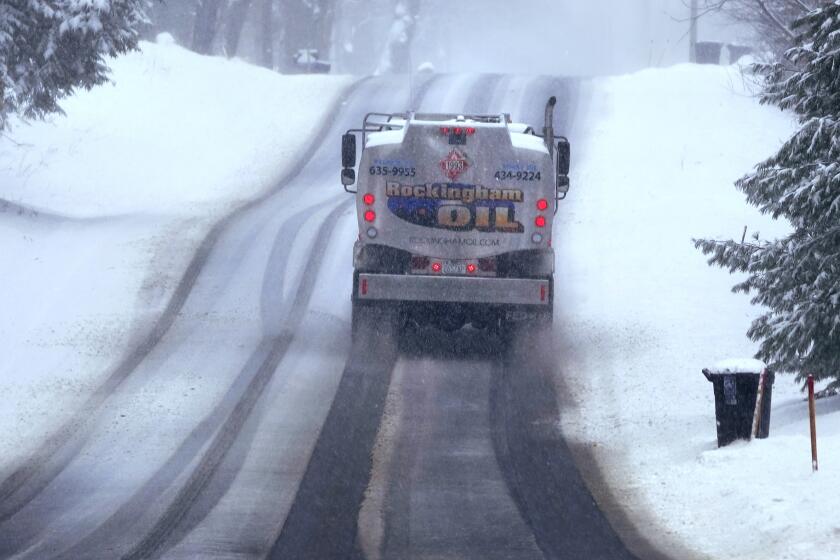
[736,393]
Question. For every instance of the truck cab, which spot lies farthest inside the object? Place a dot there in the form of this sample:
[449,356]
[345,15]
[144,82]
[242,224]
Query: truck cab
[455,217]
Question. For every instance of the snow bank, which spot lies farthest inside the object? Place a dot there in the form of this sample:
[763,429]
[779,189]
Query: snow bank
[738,365]
[640,314]
[175,133]
[124,187]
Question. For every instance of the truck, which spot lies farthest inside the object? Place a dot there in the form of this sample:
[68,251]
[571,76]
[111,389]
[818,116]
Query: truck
[455,216]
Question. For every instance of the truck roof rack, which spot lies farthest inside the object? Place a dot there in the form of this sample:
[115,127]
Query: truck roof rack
[490,119]
[378,122]
[381,122]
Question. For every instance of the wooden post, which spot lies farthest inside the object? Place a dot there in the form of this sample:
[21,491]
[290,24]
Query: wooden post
[812,412]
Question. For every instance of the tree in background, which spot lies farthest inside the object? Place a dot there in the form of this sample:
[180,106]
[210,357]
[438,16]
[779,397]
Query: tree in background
[266,52]
[397,55]
[771,19]
[234,22]
[797,278]
[207,17]
[359,30]
[307,24]
[48,48]
[267,32]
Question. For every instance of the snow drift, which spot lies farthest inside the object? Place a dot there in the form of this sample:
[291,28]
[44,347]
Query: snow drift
[640,314]
[101,209]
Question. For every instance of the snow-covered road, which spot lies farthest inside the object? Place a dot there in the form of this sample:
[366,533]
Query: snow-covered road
[124,476]
[237,429]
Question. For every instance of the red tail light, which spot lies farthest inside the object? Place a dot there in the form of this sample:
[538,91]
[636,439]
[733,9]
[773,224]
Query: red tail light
[370,216]
[457,131]
[542,205]
[369,199]
[540,221]
[419,263]
[471,268]
[437,267]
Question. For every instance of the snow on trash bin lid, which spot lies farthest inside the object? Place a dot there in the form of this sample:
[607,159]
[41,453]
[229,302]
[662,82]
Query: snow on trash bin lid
[738,365]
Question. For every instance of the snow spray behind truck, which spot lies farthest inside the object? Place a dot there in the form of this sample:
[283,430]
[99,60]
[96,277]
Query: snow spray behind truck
[455,217]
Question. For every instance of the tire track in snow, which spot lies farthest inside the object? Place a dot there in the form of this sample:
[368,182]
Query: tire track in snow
[125,519]
[323,520]
[170,528]
[539,470]
[169,525]
[439,496]
[557,486]
[396,501]
[182,514]
[27,480]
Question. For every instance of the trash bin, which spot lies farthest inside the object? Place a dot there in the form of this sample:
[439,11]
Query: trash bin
[735,384]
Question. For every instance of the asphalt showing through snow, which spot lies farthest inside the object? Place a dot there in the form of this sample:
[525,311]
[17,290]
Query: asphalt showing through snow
[243,425]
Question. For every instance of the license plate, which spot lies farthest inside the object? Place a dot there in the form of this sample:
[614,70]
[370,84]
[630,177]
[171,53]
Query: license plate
[454,267]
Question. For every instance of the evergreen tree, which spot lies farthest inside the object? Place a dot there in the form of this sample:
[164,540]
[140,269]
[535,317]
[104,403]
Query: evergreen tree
[797,278]
[48,48]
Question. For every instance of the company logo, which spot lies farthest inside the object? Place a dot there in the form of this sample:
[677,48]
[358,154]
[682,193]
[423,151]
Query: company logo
[454,165]
[456,207]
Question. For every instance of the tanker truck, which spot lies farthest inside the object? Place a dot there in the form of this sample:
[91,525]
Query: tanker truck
[455,216]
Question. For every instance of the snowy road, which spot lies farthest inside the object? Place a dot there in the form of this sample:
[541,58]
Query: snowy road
[244,425]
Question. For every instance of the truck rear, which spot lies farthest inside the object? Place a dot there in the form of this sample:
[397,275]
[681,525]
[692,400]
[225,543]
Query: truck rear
[455,217]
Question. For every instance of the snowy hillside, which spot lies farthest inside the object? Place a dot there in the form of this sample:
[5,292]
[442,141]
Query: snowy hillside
[173,128]
[100,211]
[640,314]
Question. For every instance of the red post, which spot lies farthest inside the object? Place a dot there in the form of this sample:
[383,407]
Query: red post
[812,412]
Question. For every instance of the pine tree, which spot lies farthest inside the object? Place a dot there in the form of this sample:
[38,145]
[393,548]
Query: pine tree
[48,48]
[797,277]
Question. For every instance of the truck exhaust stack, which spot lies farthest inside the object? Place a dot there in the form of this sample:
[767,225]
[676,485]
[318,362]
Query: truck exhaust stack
[548,129]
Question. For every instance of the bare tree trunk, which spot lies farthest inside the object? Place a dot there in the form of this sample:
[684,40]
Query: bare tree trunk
[206,25]
[775,19]
[301,29]
[325,24]
[692,34]
[235,20]
[267,34]
[397,56]
[770,19]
